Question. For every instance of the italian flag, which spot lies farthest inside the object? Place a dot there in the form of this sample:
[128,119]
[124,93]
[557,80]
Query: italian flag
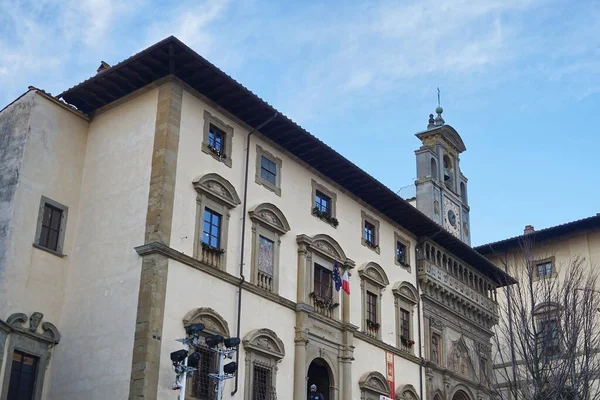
[346,282]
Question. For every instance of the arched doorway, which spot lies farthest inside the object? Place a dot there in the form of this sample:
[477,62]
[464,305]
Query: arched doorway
[460,395]
[320,375]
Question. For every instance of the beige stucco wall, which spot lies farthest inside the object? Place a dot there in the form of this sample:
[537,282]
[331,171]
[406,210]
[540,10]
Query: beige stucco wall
[33,279]
[296,204]
[103,279]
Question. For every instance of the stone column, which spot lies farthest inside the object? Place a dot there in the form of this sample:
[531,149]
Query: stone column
[299,360]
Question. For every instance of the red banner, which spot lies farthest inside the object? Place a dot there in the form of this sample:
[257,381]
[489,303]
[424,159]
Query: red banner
[389,367]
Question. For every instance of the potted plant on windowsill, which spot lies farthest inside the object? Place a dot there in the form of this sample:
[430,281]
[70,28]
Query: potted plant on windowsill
[217,152]
[372,245]
[402,262]
[212,249]
[406,341]
[323,302]
[373,325]
[325,216]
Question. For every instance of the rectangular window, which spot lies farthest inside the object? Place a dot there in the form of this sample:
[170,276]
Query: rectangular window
[50,227]
[369,233]
[549,337]
[371,307]
[261,389]
[323,203]
[216,138]
[544,269]
[202,386]
[405,323]
[22,376]
[212,228]
[266,251]
[268,170]
[400,252]
[322,282]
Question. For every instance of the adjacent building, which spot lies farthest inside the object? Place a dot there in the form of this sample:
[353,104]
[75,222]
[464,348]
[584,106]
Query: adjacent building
[161,193]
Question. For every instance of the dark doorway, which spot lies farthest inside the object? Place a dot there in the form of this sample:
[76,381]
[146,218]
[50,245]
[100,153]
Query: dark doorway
[318,374]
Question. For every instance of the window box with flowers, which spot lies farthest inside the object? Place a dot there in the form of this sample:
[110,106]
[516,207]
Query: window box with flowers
[217,152]
[325,216]
[212,249]
[373,325]
[323,302]
[406,341]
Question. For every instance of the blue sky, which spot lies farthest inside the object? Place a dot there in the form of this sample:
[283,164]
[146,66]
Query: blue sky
[520,81]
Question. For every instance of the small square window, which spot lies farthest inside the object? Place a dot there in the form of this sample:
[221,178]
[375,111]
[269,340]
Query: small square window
[52,220]
[544,269]
[323,203]
[212,228]
[216,139]
[369,233]
[268,170]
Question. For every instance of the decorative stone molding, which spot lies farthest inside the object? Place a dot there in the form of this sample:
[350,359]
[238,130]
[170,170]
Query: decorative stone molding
[264,341]
[49,335]
[459,359]
[406,292]
[374,273]
[269,215]
[406,392]
[213,322]
[325,246]
[372,385]
[214,185]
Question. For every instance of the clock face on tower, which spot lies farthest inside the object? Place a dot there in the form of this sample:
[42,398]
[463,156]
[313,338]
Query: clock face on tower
[451,217]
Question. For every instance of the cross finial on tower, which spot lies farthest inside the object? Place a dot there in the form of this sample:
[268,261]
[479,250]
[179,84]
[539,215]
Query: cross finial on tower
[439,103]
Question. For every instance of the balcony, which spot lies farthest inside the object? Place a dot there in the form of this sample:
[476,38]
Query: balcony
[211,256]
[372,328]
[264,281]
[323,305]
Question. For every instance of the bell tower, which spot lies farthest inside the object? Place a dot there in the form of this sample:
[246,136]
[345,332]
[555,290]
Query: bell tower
[441,186]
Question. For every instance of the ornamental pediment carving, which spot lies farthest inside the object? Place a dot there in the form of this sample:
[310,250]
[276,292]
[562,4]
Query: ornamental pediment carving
[213,322]
[218,187]
[374,382]
[270,216]
[264,341]
[49,333]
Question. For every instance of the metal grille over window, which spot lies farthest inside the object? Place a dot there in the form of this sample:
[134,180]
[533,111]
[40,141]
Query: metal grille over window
[268,170]
[262,388]
[50,227]
[202,385]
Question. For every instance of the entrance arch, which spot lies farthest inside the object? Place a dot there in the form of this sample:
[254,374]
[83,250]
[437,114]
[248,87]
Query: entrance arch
[320,374]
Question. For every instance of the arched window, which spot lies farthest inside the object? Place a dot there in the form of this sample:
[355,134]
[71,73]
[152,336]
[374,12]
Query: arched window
[372,282]
[268,224]
[216,197]
[448,171]
[434,169]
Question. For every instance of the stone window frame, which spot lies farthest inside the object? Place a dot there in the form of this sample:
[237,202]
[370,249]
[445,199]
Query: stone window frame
[316,186]
[228,129]
[405,297]
[407,392]
[550,260]
[214,324]
[63,225]
[260,153]
[263,348]
[372,279]
[314,249]
[375,222]
[29,340]
[436,329]
[401,239]
[372,385]
[216,193]
[544,313]
[270,222]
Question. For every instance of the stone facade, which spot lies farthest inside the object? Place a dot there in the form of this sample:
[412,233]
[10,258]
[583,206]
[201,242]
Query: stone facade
[168,226]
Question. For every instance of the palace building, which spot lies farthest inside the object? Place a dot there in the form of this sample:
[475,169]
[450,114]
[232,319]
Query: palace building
[161,193]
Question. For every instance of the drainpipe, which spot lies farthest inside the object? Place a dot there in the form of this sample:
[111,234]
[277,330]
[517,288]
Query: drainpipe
[242,277]
[419,325]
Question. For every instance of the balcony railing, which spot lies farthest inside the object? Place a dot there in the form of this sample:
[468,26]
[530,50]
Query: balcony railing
[264,280]
[323,305]
[372,328]
[211,256]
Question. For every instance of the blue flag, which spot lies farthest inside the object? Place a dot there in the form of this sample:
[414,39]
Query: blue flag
[337,279]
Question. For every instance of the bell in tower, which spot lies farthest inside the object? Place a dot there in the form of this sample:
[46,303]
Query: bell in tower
[441,186]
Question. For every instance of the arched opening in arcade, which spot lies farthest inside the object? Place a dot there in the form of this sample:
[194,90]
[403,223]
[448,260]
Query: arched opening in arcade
[319,374]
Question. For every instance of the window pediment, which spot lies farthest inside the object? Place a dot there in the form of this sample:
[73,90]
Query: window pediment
[269,215]
[406,291]
[326,246]
[374,382]
[374,273]
[50,333]
[218,187]
[213,322]
[264,341]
